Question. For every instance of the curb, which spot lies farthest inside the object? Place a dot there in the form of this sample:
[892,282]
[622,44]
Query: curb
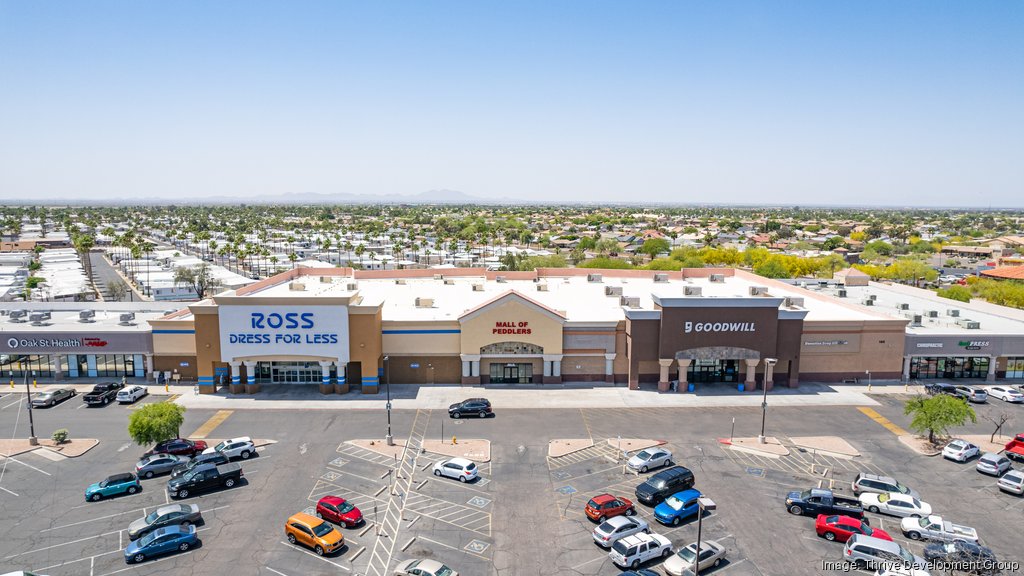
[754,451]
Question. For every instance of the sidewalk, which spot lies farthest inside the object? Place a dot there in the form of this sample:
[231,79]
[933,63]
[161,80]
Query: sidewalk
[439,397]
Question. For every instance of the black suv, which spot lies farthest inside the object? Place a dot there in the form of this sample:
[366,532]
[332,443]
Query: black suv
[664,484]
[473,407]
[941,388]
[214,458]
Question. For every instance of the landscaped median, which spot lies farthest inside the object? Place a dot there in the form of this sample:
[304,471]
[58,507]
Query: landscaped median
[770,448]
[68,449]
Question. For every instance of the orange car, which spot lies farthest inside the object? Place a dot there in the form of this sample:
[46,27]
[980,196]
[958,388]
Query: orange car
[605,506]
[314,533]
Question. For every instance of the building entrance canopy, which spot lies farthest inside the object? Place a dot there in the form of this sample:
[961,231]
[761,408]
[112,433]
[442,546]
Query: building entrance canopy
[718,353]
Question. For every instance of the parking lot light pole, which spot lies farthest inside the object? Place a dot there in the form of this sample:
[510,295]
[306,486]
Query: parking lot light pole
[868,372]
[769,363]
[32,440]
[389,439]
[700,521]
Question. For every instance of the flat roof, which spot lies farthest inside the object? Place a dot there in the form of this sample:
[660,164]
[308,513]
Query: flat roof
[69,321]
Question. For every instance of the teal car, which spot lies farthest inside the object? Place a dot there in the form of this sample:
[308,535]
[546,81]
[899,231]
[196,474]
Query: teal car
[126,483]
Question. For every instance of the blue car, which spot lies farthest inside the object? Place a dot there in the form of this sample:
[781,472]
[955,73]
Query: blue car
[678,507]
[126,483]
[161,541]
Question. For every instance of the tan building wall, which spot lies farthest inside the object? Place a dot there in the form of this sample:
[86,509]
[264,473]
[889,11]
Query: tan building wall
[207,324]
[171,363]
[430,370]
[583,368]
[366,344]
[836,351]
[492,324]
[421,343]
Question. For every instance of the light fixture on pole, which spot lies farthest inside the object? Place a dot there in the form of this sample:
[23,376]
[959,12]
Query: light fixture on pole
[769,363]
[389,439]
[868,372]
[700,521]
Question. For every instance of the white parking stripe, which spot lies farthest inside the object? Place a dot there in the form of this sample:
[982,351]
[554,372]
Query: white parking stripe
[8,491]
[308,553]
[26,465]
[275,571]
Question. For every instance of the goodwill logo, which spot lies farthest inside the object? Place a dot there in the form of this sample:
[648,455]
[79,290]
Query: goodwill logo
[689,327]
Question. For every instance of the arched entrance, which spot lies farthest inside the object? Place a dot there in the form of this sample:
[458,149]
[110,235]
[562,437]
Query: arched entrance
[726,364]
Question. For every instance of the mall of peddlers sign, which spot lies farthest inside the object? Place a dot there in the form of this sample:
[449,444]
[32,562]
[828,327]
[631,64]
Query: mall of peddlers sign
[689,327]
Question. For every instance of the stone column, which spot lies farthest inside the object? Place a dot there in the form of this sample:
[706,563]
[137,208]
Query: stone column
[552,369]
[251,387]
[474,368]
[556,368]
[58,367]
[769,371]
[466,369]
[326,386]
[684,367]
[470,368]
[150,375]
[236,377]
[991,377]
[751,380]
[609,368]
[341,386]
[906,368]
[663,382]
[547,369]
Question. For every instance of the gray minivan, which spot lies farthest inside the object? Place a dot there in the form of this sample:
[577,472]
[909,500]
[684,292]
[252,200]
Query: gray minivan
[880,485]
[875,553]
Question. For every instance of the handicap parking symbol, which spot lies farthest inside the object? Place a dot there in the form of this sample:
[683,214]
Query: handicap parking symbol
[759,472]
[477,546]
[330,476]
[338,462]
[561,475]
[478,501]
[566,490]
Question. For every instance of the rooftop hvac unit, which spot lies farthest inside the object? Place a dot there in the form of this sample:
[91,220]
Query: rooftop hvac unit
[38,318]
[841,293]
[18,315]
[873,297]
[903,306]
[968,324]
[629,301]
[86,315]
[500,279]
[758,290]
[932,313]
[691,291]
[478,287]
[867,302]
[400,281]
[326,279]
[593,277]
[915,319]
[126,319]
[661,278]
[352,286]
[296,286]
[424,302]
[793,302]
[613,290]
[953,312]
[449,282]
[438,276]
[542,287]
[717,278]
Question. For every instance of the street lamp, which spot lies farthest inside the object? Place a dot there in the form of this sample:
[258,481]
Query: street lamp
[769,363]
[700,521]
[868,372]
[32,440]
[389,439]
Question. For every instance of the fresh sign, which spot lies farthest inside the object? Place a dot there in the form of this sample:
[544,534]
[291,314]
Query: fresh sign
[973,344]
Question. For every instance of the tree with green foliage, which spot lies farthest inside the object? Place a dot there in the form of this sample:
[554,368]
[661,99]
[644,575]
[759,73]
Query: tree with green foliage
[610,263]
[956,292]
[833,243]
[772,268]
[197,277]
[936,414]
[156,422]
[664,264]
[607,246]
[654,246]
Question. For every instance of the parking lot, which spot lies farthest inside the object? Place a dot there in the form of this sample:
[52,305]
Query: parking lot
[524,515]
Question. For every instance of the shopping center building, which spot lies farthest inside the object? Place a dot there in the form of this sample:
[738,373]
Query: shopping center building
[350,330]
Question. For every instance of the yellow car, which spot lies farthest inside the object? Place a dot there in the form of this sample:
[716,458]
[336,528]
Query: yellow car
[314,533]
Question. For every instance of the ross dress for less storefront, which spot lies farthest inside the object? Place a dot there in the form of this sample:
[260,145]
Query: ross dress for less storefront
[740,340]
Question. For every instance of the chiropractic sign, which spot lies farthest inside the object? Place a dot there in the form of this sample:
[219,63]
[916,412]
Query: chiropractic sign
[248,331]
[689,327]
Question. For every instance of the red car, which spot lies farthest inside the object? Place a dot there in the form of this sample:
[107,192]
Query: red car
[605,506]
[178,447]
[840,528]
[336,509]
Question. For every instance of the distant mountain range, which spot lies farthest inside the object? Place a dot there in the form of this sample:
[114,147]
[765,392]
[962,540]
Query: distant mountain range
[428,197]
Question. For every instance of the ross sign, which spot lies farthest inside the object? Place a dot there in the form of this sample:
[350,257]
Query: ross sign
[414,365]
[512,328]
[929,344]
[973,344]
[827,343]
[247,331]
[718,327]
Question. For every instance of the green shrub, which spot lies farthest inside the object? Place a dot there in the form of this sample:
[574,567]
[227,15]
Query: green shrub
[60,436]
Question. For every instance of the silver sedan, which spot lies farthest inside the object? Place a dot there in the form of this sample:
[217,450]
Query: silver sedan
[51,398]
[649,459]
[711,554]
[159,464]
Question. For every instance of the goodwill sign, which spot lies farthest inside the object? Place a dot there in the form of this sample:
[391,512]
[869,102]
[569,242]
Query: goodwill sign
[247,331]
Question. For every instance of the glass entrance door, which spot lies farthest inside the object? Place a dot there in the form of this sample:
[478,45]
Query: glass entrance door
[511,373]
[294,373]
[712,371]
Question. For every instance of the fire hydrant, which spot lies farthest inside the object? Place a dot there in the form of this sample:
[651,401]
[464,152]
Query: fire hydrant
[34,384]
[453,440]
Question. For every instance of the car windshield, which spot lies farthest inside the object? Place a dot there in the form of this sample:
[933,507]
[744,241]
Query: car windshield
[104,483]
[151,517]
[957,445]
[922,522]
[674,503]
[902,489]
[593,504]
[147,539]
[644,455]
[220,446]
[917,503]
[687,554]
[471,466]
[322,529]
[606,528]
[867,530]
[444,571]
[345,507]
[620,547]
[906,556]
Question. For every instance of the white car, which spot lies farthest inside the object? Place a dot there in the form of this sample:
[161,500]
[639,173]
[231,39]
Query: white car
[1012,482]
[618,527]
[632,551]
[424,567]
[960,450]
[131,394]
[649,459]
[895,504]
[462,469]
[1006,394]
[241,447]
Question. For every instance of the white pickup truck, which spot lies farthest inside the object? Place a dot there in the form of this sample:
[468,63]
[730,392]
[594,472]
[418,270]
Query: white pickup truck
[632,551]
[933,527]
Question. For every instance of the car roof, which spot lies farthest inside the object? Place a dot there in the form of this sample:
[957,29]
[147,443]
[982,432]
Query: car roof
[687,494]
[638,538]
[335,500]
[602,498]
[169,508]
[617,521]
[992,456]
[428,564]
[172,529]
[460,461]
[303,518]
[121,477]
[239,439]
[866,476]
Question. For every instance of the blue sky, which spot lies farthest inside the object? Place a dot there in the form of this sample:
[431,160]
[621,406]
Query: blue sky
[906,103]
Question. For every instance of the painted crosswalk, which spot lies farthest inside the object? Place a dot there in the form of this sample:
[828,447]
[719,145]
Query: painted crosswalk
[600,449]
[353,451]
[469,518]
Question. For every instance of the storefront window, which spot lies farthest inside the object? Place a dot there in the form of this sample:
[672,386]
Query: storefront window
[949,367]
[511,348]
[37,366]
[712,371]
[509,373]
[1015,367]
[115,365]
